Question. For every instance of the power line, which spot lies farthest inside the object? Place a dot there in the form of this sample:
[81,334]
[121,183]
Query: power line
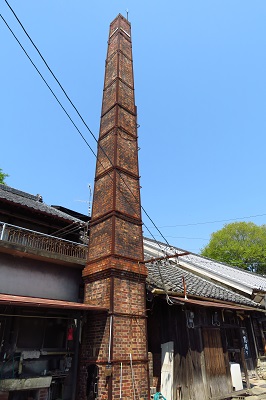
[183,237]
[213,222]
[50,70]
[147,215]
[49,87]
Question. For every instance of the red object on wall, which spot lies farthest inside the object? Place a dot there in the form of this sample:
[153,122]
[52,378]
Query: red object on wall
[70,333]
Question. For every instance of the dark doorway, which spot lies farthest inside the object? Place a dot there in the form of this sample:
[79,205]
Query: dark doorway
[23,395]
[92,382]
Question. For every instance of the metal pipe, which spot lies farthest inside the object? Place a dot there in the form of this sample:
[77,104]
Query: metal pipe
[110,339]
[75,363]
[121,376]
[185,287]
[132,376]
[3,230]
[110,355]
[146,335]
[185,253]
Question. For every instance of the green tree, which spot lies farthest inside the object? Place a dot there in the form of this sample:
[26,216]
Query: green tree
[241,244]
[2,176]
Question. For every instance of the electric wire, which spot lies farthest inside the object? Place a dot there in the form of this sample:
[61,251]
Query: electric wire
[147,215]
[65,228]
[214,222]
[183,237]
[49,87]
[67,232]
[50,70]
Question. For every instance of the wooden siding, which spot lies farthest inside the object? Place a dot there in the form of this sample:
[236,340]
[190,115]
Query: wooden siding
[201,364]
[218,380]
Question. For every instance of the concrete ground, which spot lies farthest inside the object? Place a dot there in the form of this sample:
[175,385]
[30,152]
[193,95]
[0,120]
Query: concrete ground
[256,392]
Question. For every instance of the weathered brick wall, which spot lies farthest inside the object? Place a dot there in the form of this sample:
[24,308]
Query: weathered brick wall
[107,123]
[128,338]
[127,151]
[4,395]
[96,351]
[109,97]
[125,94]
[98,292]
[115,273]
[111,70]
[125,69]
[93,349]
[106,154]
[100,240]
[130,295]
[113,44]
[127,197]
[118,264]
[95,340]
[138,381]
[128,241]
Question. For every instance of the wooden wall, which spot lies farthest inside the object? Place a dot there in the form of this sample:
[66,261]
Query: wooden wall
[201,363]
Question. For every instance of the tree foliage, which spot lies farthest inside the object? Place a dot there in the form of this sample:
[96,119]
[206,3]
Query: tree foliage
[2,176]
[241,244]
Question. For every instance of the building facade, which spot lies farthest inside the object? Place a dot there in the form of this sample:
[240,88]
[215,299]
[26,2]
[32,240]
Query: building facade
[42,253]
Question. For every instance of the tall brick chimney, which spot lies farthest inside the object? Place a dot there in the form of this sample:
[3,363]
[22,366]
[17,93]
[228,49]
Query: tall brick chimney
[114,346]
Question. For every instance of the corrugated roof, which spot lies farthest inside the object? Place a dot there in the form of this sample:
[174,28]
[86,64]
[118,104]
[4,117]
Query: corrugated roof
[13,300]
[26,200]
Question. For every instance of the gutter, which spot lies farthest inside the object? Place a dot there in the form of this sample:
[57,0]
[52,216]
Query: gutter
[197,299]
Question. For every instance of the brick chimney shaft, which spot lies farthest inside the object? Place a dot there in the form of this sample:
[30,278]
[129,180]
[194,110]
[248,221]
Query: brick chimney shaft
[115,274]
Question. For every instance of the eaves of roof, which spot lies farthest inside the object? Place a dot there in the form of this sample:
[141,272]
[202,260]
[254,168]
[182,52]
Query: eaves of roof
[37,302]
[181,298]
[223,305]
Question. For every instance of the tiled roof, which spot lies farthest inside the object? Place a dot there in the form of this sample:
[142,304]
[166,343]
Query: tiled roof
[34,203]
[169,276]
[250,279]
[206,265]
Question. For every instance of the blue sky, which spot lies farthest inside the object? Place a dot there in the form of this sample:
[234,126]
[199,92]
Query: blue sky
[200,90]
